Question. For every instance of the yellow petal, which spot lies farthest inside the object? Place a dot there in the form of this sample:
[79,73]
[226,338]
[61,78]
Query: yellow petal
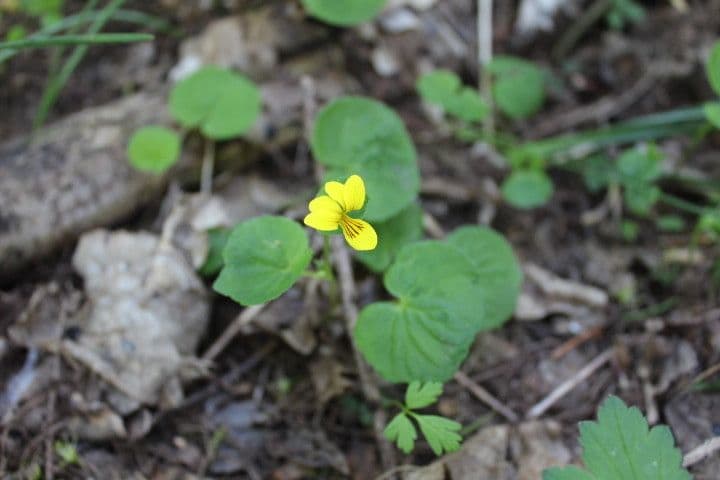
[321,221]
[336,191]
[358,233]
[325,204]
[354,193]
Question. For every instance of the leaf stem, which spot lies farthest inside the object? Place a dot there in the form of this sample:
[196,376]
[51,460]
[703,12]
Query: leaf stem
[208,166]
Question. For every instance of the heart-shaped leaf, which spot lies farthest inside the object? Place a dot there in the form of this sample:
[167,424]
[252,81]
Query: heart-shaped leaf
[263,258]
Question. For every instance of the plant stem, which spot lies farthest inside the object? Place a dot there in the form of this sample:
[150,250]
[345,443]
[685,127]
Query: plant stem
[594,13]
[58,81]
[100,38]
[208,166]
[328,270]
[485,53]
[681,204]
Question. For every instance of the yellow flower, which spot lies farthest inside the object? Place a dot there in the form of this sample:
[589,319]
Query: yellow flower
[328,212]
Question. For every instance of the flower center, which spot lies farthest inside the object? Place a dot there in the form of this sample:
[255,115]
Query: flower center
[351,227]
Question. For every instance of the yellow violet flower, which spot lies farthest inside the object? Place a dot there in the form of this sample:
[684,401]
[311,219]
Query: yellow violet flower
[328,212]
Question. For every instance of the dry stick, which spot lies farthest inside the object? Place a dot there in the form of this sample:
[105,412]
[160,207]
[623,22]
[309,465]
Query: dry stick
[231,331]
[485,52]
[698,453]
[348,292]
[485,397]
[569,384]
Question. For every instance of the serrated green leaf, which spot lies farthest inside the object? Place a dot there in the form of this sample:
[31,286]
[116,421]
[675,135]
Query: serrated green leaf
[527,189]
[223,104]
[263,258]
[440,432]
[712,113]
[420,395]
[567,473]
[396,232]
[713,68]
[402,431]
[444,88]
[344,12]
[355,135]
[154,149]
[518,86]
[496,269]
[621,446]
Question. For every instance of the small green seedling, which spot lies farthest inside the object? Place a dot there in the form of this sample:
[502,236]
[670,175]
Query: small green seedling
[624,11]
[67,452]
[712,109]
[527,188]
[444,88]
[154,149]
[218,103]
[621,446]
[518,87]
[344,13]
[440,432]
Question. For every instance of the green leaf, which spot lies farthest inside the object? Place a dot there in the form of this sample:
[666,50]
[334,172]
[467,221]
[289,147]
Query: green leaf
[629,230]
[598,172]
[222,104]
[621,446]
[713,68]
[344,12]
[263,258]
[712,113]
[518,86]
[567,473]
[420,395]
[393,234]
[355,135]
[217,239]
[16,32]
[640,197]
[444,88]
[67,452]
[154,149]
[426,334]
[671,223]
[447,292]
[527,188]
[440,433]
[496,270]
[640,165]
[402,431]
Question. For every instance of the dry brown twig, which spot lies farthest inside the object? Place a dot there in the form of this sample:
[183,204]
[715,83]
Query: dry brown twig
[345,277]
[231,331]
[486,397]
[561,390]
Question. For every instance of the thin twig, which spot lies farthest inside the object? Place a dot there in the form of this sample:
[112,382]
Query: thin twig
[348,292]
[569,384]
[208,166]
[231,331]
[485,53]
[698,453]
[574,342]
[485,397]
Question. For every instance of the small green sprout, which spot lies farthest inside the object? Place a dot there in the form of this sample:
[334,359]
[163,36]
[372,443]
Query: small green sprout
[445,89]
[154,149]
[624,11]
[67,452]
[440,432]
[344,13]
[518,86]
[712,109]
